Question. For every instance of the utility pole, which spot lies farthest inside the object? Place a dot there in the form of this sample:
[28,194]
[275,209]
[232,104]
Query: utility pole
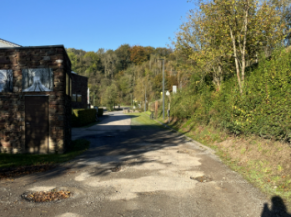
[145,99]
[163,89]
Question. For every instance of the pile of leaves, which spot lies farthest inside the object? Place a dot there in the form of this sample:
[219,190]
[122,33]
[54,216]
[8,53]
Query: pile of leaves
[46,196]
[24,170]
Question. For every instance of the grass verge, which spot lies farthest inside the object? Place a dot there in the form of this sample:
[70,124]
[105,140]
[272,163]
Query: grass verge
[19,160]
[143,121]
[264,163]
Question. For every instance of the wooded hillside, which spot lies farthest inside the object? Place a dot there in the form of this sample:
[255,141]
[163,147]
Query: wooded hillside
[129,72]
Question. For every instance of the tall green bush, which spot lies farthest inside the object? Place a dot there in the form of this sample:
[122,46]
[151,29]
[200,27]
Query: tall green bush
[263,109]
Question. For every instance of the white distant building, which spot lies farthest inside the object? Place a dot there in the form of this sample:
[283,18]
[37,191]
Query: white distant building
[174,89]
[88,96]
[4,43]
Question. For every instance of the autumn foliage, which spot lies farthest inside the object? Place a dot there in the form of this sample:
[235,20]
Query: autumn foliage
[138,54]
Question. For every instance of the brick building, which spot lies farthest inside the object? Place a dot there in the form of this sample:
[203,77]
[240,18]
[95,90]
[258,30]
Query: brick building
[79,91]
[35,101]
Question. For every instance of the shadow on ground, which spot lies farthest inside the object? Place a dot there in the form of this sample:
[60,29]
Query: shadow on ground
[278,208]
[117,147]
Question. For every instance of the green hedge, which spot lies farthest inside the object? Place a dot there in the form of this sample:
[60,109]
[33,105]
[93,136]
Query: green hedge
[264,108]
[82,117]
[100,112]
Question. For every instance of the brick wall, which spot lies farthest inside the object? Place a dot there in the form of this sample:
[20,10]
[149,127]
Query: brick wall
[79,86]
[12,104]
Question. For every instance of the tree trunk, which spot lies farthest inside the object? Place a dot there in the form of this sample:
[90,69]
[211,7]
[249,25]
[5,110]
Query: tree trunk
[217,77]
[236,60]
[244,47]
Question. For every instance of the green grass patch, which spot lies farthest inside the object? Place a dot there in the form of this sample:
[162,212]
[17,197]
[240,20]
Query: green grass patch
[16,160]
[143,121]
[148,112]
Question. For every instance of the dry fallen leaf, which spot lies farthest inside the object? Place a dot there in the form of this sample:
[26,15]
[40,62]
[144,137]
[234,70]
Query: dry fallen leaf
[45,196]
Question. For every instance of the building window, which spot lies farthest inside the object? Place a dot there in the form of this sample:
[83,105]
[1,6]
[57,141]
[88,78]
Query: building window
[79,98]
[37,80]
[74,97]
[70,87]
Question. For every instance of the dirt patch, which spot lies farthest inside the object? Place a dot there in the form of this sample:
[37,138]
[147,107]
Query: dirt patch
[202,179]
[46,196]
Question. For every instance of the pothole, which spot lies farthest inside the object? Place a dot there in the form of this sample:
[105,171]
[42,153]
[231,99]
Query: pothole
[202,179]
[46,196]
[116,169]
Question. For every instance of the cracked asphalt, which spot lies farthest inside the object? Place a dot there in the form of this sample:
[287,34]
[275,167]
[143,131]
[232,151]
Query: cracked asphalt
[137,171]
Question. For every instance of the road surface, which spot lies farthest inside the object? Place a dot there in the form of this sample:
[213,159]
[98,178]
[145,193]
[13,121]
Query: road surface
[138,171]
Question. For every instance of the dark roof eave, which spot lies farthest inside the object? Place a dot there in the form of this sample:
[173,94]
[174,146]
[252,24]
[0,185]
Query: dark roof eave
[42,46]
[26,47]
[79,75]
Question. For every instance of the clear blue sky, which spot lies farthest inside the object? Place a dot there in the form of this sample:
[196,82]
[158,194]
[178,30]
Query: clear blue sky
[92,24]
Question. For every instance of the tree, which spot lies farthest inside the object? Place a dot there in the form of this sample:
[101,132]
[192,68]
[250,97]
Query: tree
[284,7]
[143,89]
[138,54]
[92,62]
[206,53]
[123,55]
[109,61]
[230,32]
[245,25]
[110,96]
[163,52]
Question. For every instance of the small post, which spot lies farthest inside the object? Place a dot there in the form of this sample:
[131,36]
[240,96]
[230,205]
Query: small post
[163,89]
[145,99]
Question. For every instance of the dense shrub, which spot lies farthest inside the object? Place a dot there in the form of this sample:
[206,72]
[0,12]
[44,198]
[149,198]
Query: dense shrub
[82,117]
[100,112]
[263,109]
